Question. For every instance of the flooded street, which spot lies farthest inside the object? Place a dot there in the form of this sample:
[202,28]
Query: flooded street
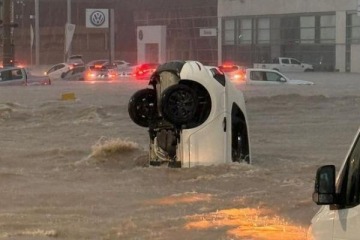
[77,169]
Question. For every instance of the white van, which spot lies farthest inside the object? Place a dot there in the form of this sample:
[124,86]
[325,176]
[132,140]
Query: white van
[194,115]
[339,218]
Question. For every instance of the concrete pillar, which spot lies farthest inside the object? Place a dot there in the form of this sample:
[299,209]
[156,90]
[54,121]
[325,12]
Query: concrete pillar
[219,34]
[275,38]
[340,40]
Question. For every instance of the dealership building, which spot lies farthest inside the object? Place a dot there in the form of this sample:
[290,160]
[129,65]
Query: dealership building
[325,33]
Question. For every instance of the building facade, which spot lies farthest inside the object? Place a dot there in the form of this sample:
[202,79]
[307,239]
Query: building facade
[183,20]
[325,33]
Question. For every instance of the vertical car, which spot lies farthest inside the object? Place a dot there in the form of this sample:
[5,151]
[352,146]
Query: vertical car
[339,217]
[194,114]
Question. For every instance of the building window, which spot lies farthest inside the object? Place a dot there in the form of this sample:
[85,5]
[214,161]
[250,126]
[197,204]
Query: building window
[245,31]
[354,28]
[307,29]
[290,30]
[229,32]
[327,29]
[263,30]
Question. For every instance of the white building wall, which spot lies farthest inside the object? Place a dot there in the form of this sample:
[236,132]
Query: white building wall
[151,34]
[355,58]
[232,8]
[264,7]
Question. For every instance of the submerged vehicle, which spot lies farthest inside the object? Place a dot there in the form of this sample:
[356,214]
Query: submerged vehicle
[194,114]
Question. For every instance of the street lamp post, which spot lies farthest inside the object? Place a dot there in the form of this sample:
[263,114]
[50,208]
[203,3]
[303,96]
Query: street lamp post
[37,34]
[68,53]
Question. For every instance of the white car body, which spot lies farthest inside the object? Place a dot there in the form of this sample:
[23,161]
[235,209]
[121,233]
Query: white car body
[286,64]
[339,218]
[56,70]
[218,131]
[259,76]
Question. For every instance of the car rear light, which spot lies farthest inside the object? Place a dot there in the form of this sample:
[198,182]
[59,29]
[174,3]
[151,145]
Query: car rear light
[90,75]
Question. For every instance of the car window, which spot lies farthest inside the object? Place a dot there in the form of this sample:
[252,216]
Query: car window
[257,76]
[285,61]
[294,61]
[5,75]
[56,67]
[16,74]
[272,76]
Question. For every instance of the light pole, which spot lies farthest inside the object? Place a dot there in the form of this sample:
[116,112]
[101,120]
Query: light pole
[37,34]
[68,54]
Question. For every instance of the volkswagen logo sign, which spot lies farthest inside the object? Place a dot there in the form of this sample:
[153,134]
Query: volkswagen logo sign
[97,18]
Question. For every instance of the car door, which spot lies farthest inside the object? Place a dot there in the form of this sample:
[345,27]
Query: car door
[274,78]
[264,78]
[347,217]
[11,77]
[285,65]
[296,65]
[56,71]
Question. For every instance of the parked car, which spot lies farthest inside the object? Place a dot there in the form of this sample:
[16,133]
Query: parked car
[12,76]
[144,71]
[55,71]
[261,76]
[75,74]
[123,67]
[100,72]
[75,60]
[194,114]
[234,72]
[339,216]
[285,64]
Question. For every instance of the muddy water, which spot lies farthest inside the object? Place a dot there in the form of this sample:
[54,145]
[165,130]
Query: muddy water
[77,169]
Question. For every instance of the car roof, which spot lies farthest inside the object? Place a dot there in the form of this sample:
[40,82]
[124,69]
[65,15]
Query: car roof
[9,68]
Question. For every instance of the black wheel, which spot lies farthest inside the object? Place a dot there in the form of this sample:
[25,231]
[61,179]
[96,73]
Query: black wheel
[142,107]
[179,104]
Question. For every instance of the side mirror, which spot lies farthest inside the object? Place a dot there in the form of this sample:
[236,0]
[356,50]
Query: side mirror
[282,79]
[324,192]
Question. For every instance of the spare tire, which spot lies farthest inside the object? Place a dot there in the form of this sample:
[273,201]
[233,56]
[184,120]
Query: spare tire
[142,107]
[179,104]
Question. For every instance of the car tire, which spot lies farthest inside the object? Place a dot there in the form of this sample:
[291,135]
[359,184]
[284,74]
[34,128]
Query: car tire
[179,104]
[142,107]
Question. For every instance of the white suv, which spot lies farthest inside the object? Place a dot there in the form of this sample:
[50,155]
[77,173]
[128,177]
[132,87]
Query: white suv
[339,218]
[194,114]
